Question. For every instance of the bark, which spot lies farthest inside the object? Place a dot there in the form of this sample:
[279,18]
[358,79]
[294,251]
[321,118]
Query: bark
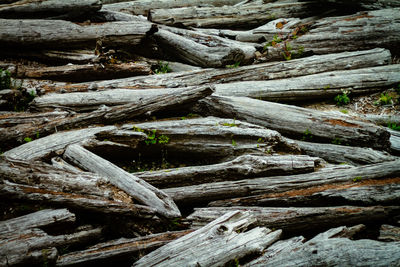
[317,86]
[300,123]
[295,220]
[63,34]
[204,193]
[246,166]
[132,185]
[37,219]
[49,9]
[229,16]
[121,250]
[219,239]
[389,233]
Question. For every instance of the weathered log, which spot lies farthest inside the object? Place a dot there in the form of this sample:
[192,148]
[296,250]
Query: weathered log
[300,123]
[118,251]
[295,220]
[359,192]
[394,141]
[132,185]
[83,73]
[49,9]
[389,233]
[245,166]
[383,119]
[317,86]
[219,238]
[230,16]
[63,34]
[205,193]
[40,218]
[340,154]
[363,4]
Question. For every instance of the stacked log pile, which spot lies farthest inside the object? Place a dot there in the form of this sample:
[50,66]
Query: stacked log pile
[107,159]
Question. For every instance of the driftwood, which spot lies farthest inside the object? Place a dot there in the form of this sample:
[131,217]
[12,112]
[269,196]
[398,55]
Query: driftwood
[219,238]
[204,193]
[322,85]
[389,233]
[118,251]
[363,4]
[294,220]
[245,166]
[49,9]
[297,122]
[230,16]
[64,34]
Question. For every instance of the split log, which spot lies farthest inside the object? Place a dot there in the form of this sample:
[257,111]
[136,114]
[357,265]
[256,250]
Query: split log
[317,86]
[118,251]
[204,193]
[64,34]
[230,16]
[300,123]
[132,185]
[219,238]
[245,166]
[344,154]
[49,9]
[295,220]
[389,233]
[37,219]
[359,192]
[83,73]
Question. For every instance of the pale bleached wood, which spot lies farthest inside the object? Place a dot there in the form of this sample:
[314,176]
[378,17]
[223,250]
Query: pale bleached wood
[382,119]
[132,185]
[363,4]
[40,218]
[317,86]
[394,140]
[204,193]
[296,121]
[245,166]
[219,238]
[389,233]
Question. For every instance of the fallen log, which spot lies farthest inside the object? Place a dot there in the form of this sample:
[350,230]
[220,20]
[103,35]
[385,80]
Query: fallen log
[49,9]
[317,86]
[64,34]
[394,141]
[42,218]
[389,233]
[219,238]
[363,4]
[132,185]
[204,193]
[300,123]
[122,250]
[295,220]
[383,119]
[230,16]
[245,166]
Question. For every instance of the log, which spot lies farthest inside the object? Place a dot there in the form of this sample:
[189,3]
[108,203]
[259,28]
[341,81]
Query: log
[122,250]
[246,166]
[363,193]
[219,239]
[132,185]
[394,141]
[317,86]
[71,9]
[300,123]
[363,4]
[64,34]
[42,218]
[382,119]
[297,220]
[389,233]
[204,193]
[230,16]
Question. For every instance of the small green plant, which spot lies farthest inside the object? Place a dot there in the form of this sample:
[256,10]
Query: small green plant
[357,179]
[162,68]
[151,138]
[385,99]
[342,99]
[237,64]
[5,79]
[189,116]
[27,139]
[163,139]
[234,143]
[337,141]
[393,126]
[232,263]
[233,124]
[344,111]
[275,40]
[307,136]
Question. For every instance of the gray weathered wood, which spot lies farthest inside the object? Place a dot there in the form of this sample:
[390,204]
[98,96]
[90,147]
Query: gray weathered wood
[245,166]
[296,121]
[364,4]
[219,238]
[120,250]
[205,193]
[394,140]
[49,9]
[316,86]
[132,185]
[389,233]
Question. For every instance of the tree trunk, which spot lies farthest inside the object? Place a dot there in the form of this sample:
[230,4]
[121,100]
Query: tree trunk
[300,123]
[225,239]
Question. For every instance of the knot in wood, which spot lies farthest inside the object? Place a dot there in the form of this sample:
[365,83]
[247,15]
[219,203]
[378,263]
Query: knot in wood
[222,229]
